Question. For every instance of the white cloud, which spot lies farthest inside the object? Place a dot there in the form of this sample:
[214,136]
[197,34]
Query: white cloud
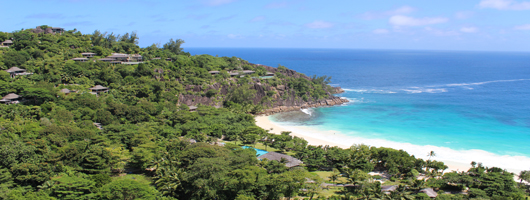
[522,27]
[464,14]
[257,19]
[400,20]
[380,31]
[319,24]
[505,4]
[469,29]
[217,2]
[439,32]
[233,36]
[377,15]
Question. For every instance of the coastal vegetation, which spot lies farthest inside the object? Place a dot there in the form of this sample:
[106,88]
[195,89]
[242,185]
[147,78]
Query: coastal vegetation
[142,138]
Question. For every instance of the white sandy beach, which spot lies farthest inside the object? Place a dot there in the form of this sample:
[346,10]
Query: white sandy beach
[455,160]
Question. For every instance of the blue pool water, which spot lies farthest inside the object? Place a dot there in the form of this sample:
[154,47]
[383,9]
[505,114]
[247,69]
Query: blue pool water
[259,152]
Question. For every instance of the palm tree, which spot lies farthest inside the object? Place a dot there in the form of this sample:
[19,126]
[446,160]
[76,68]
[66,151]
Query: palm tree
[473,164]
[431,154]
[524,176]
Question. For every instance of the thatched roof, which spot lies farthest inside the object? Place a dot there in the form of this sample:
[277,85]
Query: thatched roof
[291,162]
[99,87]
[430,192]
[66,91]
[14,69]
[11,96]
[388,188]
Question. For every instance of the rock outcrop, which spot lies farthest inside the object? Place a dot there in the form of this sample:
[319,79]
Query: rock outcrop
[328,102]
[281,98]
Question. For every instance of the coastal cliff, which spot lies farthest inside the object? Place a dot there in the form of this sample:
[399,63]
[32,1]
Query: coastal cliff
[274,97]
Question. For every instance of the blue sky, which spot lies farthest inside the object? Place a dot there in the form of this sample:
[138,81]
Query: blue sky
[486,25]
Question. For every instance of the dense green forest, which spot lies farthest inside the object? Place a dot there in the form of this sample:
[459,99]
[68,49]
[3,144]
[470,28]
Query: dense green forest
[139,139]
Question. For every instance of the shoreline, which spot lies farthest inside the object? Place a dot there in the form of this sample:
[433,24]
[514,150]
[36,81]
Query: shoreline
[454,159]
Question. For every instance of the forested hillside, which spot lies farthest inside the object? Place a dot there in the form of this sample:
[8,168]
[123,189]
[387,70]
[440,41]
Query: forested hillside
[78,123]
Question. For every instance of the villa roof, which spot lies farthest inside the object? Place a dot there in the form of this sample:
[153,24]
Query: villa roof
[106,59]
[99,87]
[11,96]
[192,107]
[248,71]
[234,74]
[291,162]
[430,192]
[270,73]
[88,53]
[213,72]
[8,41]
[118,55]
[66,91]
[136,55]
[76,59]
[14,69]
[388,188]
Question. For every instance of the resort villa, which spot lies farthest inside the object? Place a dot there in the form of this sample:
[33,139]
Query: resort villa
[289,160]
[15,71]
[430,192]
[120,58]
[57,30]
[6,43]
[80,59]
[88,54]
[66,91]
[193,108]
[98,89]
[11,98]
[214,72]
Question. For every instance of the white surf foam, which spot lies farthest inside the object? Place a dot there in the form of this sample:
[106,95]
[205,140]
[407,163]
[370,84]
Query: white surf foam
[482,83]
[308,111]
[416,90]
[369,91]
[430,89]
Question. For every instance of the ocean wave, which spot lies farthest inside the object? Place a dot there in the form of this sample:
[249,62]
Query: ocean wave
[308,111]
[429,89]
[370,91]
[416,90]
[482,83]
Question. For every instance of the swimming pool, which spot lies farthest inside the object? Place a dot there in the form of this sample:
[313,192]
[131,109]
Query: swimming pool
[259,152]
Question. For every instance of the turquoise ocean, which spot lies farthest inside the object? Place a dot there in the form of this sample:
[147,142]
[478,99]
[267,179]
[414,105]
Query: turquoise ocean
[464,101]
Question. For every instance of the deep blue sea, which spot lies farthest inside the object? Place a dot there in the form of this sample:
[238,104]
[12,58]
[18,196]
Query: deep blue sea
[454,99]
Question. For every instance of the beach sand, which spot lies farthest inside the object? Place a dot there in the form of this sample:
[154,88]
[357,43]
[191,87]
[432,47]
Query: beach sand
[455,160]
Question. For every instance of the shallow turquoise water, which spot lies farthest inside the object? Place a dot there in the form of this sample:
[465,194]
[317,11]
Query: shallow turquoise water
[460,100]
